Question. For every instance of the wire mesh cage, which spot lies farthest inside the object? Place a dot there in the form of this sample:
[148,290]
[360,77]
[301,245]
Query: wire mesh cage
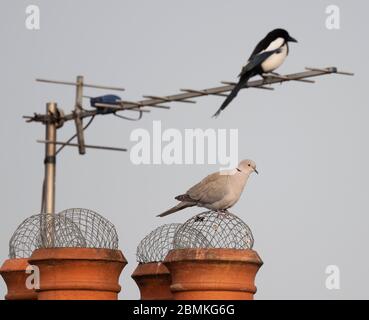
[217,229]
[155,246]
[59,232]
[40,231]
[72,228]
[26,238]
[97,231]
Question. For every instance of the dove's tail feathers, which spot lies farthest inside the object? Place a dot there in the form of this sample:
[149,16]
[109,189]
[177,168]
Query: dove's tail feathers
[243,80]
[178,207]
[185,198]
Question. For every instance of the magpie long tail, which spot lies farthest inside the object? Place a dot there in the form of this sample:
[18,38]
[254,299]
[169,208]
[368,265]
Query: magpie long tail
[243,80]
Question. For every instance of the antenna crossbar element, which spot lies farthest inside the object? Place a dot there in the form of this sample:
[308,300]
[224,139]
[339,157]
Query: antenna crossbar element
[167,99]
[287,78]
[203,92]
[263,87]
[50,142]
[327,71]
[231,83]
[95,86]
[131,105]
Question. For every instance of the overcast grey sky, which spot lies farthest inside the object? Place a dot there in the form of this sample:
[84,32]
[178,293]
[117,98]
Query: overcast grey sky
[308,207]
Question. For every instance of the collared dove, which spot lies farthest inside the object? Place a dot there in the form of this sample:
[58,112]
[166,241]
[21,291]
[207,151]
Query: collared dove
[218,191]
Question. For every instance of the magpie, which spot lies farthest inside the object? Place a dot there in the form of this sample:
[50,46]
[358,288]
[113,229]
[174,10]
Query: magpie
[267,56]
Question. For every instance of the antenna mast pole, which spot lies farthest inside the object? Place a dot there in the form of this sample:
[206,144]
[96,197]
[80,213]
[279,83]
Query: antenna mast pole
[50,160]
[77,114]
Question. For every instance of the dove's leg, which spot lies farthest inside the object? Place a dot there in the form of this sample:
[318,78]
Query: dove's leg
[222,213]
[197,218]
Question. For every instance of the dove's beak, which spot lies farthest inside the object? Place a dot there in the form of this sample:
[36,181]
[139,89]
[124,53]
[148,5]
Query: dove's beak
[257,172]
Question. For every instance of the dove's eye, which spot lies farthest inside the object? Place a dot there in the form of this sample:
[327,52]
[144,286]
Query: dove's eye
[249,165]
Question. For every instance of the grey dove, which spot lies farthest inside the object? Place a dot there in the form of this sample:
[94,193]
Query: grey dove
[218,191]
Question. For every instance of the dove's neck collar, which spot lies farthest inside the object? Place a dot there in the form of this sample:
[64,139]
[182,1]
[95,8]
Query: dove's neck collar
[242,172]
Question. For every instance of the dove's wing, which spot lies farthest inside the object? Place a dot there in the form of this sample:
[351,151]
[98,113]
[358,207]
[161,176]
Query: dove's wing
[211,189]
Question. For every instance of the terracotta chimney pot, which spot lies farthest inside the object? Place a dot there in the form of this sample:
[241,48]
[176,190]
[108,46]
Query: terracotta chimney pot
[14,274]
[213,274]
[153,279]
[78,273]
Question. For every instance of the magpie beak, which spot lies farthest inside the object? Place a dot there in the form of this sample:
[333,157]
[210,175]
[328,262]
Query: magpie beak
[290,39]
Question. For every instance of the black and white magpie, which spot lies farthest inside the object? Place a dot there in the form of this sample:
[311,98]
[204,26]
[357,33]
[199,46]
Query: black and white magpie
[267,56]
